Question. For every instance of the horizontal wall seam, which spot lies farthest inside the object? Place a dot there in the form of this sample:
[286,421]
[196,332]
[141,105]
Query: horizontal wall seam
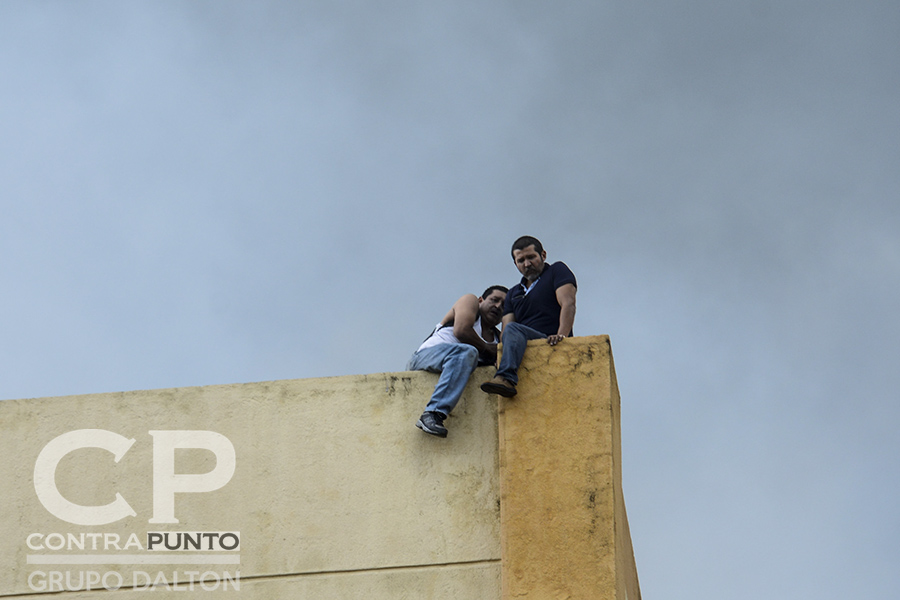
[419,567]
[275,577]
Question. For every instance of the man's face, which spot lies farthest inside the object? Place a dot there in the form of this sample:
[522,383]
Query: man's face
[529,263]
[491,308]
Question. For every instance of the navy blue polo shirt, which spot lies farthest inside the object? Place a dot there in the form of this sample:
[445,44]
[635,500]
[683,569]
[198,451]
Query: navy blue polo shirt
[539,308]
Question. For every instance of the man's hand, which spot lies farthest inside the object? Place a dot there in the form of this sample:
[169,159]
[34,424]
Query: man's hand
[555,339]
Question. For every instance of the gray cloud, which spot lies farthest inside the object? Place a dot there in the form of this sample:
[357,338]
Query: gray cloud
[209,192]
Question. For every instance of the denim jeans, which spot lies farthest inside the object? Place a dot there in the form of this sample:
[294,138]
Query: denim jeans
[514,338]
[455,363]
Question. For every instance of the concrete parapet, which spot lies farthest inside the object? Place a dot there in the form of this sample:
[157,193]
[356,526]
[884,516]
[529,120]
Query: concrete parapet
[564,532]
[333,486]
[334,494]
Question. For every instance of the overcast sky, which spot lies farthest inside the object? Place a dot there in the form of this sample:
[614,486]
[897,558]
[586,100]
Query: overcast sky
[206,192]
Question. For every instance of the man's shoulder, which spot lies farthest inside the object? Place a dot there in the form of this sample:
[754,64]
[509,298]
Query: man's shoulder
[561,273]
[466,301]
[560,266]
[468,298]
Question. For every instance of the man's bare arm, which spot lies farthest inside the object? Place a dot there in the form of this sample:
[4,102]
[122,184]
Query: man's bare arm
[565,295]
[465,312]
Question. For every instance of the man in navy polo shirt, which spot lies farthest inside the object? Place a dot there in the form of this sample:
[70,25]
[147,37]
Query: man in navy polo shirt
[540,306]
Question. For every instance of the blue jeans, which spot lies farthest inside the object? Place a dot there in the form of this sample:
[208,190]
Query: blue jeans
[515,337]
[455,363]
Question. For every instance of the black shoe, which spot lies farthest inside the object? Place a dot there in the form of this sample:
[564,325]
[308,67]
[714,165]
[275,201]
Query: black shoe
[433,423]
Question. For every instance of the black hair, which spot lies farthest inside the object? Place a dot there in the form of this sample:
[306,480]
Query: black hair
[488,291]
[525,241]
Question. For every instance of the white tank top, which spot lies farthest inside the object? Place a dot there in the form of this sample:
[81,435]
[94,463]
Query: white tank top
[443,334]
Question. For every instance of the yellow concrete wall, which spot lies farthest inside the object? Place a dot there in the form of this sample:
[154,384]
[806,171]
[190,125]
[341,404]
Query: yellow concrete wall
[564,532]
[335,493]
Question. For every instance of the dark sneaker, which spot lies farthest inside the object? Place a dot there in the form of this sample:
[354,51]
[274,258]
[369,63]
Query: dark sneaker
[433,423]
[500,386]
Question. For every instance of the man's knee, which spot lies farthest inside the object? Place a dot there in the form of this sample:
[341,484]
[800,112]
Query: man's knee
[512,330]
[463,356]
[469,354]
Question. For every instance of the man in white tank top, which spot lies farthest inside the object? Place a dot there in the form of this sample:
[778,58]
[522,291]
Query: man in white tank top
[465,336]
